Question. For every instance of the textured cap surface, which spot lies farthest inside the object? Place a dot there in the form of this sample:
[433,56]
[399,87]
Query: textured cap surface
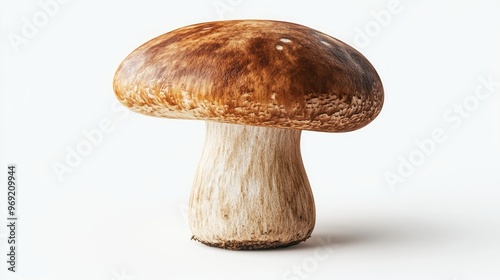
[253,72]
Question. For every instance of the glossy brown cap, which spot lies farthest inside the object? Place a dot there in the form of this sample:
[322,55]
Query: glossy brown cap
[252,72]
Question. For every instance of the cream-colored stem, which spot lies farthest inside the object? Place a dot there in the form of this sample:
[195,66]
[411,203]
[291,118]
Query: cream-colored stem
[251,190]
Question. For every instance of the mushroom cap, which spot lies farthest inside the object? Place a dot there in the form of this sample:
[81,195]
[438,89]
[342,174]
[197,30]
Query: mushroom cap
[252,72]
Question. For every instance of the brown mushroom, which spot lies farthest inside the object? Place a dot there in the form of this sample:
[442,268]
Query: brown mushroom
[257,83]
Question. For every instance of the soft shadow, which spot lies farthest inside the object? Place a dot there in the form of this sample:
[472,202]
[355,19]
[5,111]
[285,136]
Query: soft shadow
[418,232]
[322,239]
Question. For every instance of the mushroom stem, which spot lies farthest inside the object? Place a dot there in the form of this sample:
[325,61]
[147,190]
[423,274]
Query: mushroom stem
[251,190]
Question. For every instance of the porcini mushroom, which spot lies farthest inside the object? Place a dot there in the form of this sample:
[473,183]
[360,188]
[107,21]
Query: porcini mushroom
[257,83]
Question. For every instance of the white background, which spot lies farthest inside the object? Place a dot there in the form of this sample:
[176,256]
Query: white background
[119,212]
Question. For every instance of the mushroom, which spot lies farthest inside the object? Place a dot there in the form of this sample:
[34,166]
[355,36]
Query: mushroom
[258,84]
